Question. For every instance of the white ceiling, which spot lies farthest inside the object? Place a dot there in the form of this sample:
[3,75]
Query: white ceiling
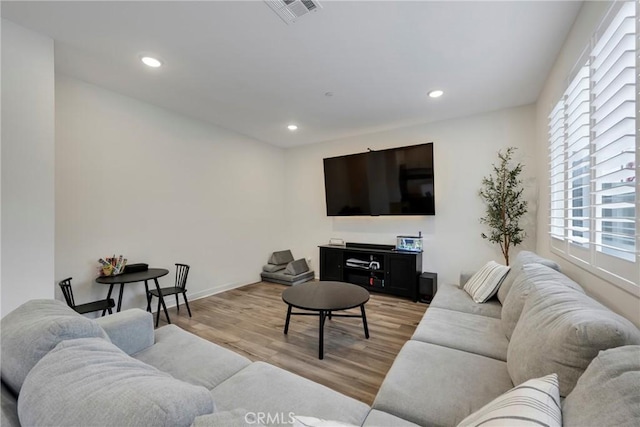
[237,65]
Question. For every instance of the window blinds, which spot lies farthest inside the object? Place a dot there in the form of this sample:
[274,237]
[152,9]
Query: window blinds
[614,136]
[592,156]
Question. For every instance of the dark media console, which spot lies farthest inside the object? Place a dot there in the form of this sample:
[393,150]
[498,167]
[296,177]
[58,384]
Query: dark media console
[379,268]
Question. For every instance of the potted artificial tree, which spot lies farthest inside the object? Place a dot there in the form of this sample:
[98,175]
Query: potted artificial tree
[502,193]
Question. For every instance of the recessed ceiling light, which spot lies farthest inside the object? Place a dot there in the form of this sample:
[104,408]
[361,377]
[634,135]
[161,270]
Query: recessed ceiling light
[436,93]
[292,127]
[151,61]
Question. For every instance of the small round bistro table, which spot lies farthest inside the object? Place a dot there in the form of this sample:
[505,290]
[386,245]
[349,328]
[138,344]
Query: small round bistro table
[324,298]
[139,276]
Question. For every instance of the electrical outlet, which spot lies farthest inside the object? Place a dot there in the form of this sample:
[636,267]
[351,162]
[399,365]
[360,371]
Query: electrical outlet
[309,260]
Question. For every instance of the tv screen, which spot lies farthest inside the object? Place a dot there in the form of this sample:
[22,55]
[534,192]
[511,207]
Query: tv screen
[346,185]
[397,181]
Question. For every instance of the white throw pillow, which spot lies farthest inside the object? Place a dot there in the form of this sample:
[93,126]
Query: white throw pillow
[532,403]
[485,283]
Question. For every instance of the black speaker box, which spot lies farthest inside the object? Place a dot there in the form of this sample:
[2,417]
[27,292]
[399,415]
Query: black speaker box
[427,287]
[370,246]
[135,268]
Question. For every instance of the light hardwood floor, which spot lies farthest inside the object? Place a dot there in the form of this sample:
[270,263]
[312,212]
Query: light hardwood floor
[250,320]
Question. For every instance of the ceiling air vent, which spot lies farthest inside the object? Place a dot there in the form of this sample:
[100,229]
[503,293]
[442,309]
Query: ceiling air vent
[290,10]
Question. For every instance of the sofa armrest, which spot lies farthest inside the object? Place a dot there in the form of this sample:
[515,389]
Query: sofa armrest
[464,278]
[130,330]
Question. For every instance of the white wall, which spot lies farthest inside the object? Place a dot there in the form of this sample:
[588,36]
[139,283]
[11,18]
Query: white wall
[160,188]
[590,15]
[0,169]
[464,150]
[27,166]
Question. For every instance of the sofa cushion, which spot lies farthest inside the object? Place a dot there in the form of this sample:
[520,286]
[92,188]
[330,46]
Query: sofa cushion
[190,358]
[35,328]
[272,268]
[264,388]
[530,275]
[562,331]
[90,381]
[304,421]
[485,282]
[296,267]
[454,298]
[238,417]
[439,386]
[463,331]
[8,408]
[608,393]
[536,402]
[523,258]
[129,330]
[287,279]
[383,419]
[281,257]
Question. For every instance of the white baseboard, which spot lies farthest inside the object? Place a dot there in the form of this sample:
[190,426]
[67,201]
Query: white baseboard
[206,293]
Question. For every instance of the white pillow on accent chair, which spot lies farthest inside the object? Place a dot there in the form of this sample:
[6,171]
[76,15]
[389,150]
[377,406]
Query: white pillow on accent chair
[485,283]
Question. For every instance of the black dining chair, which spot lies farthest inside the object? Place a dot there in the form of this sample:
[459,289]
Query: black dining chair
[182,271]
[89,307]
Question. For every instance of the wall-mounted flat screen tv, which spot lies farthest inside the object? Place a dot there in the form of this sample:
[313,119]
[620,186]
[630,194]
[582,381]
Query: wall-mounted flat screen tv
[397,181]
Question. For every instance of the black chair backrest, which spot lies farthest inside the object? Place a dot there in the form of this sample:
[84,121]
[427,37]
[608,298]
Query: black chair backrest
[65,285]
[182,271]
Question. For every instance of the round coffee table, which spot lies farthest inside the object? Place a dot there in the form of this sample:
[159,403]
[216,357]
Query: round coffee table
[324,298]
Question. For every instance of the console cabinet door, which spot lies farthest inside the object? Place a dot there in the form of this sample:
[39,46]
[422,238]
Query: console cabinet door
[401,275]
[331,264]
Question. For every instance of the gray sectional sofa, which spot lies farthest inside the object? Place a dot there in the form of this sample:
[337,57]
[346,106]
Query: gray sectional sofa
[70,370]
[462,354]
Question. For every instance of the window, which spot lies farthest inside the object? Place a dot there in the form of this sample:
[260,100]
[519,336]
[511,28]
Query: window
[593,157]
